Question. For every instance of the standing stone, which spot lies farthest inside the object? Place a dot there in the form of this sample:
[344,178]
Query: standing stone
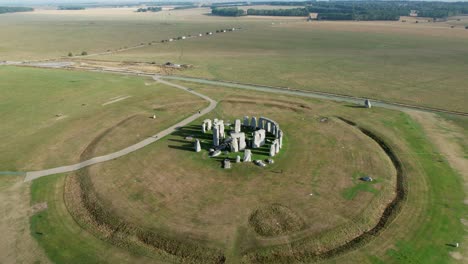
[247,155]
[204,127]
[240,137]
[259,138]
[273,129]
[238,159]
[227,164]
[237,126]
[280,138]
[272,150]
[367,103]
[216,136]
[277,146]
[246,121]
[221,130]
[234,145]
[197,146]
[242,143]
[260,123]
[268,126]
[253,122]
[208,124]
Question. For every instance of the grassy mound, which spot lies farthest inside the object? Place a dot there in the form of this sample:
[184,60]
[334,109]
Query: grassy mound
[274,220]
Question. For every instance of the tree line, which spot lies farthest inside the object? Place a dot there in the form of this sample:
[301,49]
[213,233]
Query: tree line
[350,10]
[71,8]
[11,9]
[278,12]
[227,11]
[149,9]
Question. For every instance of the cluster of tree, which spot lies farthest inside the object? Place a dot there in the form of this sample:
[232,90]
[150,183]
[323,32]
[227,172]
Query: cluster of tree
[353,9]
[384,10]
[71,8]
[226,4]
[227,11]
[149,9]
[83,53]
[285,3]
[167,3]
[278,12]
[11,9]
[185,7]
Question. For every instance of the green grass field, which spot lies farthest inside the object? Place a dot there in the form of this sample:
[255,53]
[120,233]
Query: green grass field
[50,116]
[383,62]
[429,206]
[403,62]
[167,195]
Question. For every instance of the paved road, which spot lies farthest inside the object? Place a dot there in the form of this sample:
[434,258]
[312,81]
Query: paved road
[315,94]
[37,174]
[271,89]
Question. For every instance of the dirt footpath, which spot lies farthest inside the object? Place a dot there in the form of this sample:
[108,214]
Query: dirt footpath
[16,244]
[448,138]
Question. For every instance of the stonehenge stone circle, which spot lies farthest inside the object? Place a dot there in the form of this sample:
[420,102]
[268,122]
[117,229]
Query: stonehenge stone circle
[237,140]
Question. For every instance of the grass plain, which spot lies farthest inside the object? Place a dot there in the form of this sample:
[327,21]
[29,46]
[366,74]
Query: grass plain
[422,63]
[191,196]
[49,117]
[428,221]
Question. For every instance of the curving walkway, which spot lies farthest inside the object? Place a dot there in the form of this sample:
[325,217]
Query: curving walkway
[32,175]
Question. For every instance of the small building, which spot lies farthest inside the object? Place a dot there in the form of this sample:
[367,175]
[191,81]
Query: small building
[312,16]
[413,13]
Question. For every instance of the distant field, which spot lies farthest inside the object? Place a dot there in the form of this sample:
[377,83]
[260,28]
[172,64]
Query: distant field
[408,63]
[44,34]
[50,116]
[422,63]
